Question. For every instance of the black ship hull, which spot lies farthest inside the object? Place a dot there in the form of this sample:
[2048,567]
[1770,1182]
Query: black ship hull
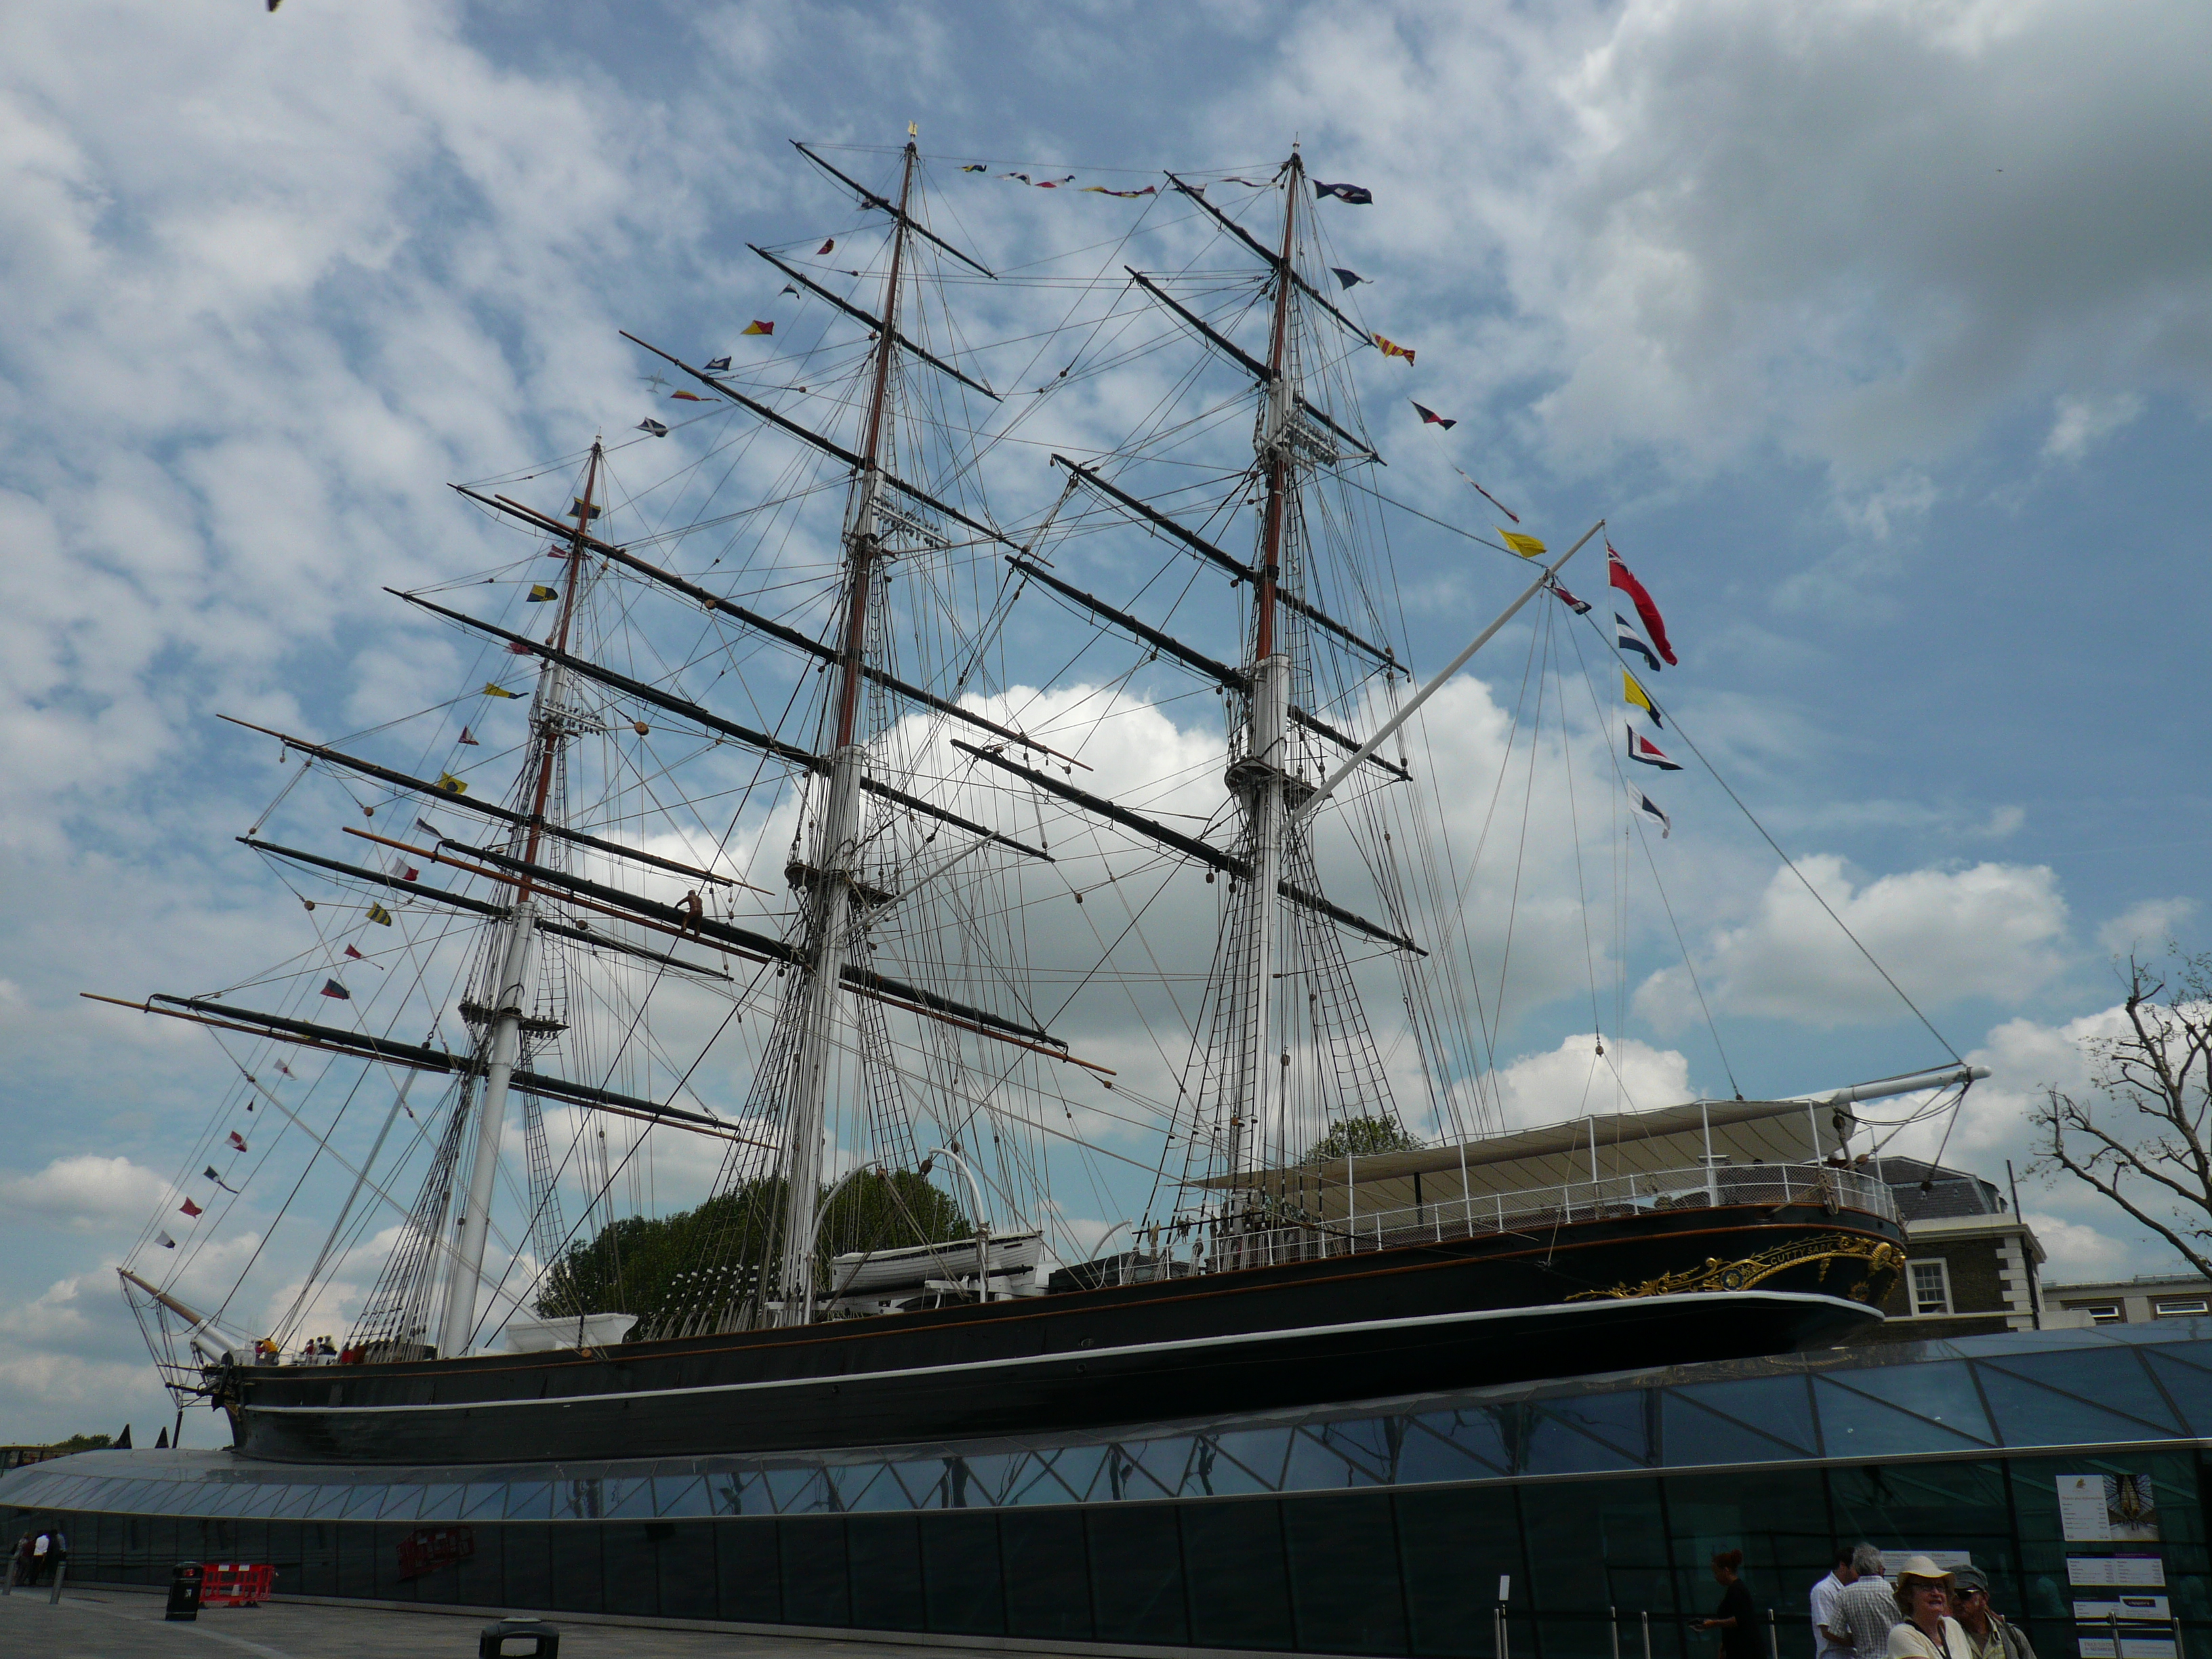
[1603,1295]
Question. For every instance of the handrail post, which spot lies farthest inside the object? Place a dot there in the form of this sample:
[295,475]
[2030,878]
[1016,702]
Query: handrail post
[1647,1633]
[1613,1626]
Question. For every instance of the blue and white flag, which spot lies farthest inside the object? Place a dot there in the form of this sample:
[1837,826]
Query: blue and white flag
[1628,639]
[1649,808]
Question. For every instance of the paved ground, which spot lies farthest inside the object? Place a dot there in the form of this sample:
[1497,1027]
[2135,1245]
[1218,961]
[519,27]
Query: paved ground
[117,1623]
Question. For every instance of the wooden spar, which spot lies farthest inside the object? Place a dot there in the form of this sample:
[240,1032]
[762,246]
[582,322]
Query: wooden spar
[1198,195]
[774,630]
[1244,360]
[490,808]
[1383,655]
[156,1291]
[827,446]
[478,907]
[576,900]
[889,997]
[853,311]
[673,1117]
[869,198]
[1190,845]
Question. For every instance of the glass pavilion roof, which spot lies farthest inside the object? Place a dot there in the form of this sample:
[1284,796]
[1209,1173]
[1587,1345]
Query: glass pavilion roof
[2107,1386]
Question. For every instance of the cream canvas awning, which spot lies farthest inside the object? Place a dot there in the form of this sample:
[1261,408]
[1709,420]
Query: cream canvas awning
[1669,1138]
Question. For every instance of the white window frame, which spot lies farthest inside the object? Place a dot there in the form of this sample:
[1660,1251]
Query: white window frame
[2105,1313]
[2178,1307]
[1912,1286]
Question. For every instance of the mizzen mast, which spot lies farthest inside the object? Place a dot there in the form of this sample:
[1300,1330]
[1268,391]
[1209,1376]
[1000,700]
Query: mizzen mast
[1259,777]
[829,877]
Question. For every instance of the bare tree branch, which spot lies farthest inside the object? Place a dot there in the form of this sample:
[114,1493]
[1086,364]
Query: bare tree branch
[2155,1165]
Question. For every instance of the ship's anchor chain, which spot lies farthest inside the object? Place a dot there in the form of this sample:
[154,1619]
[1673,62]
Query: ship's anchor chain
[1876,1259]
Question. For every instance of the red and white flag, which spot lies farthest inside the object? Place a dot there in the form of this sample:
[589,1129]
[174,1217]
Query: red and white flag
[1641,748]
[1624,579]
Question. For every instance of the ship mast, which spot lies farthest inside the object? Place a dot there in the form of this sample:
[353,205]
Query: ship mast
[828,878]
[1259,777]
[514,952]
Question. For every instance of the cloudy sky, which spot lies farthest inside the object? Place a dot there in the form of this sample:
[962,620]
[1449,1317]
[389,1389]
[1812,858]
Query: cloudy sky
[1878,333]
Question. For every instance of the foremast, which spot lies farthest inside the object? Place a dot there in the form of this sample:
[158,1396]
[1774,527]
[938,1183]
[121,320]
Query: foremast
[829,878]
[512,959]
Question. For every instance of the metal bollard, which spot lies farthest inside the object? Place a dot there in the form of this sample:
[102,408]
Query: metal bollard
[1647,1634]
[1613,1627]
[1774,1642]
[184,1592]
[61,1572]
[544,1640]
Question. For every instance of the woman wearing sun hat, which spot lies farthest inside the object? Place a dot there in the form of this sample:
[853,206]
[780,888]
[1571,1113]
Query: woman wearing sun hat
[1928,1631]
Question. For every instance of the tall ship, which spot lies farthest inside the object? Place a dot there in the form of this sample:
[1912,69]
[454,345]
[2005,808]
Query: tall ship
[933,902]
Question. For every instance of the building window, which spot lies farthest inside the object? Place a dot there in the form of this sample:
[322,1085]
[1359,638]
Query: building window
[2104,1313]
[1932,1288]
[2182,1307]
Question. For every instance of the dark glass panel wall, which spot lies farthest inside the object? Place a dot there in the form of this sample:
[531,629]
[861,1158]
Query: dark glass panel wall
[1411,1570]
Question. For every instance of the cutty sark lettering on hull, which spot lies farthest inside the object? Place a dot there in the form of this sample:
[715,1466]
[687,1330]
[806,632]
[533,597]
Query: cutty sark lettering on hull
[787,863]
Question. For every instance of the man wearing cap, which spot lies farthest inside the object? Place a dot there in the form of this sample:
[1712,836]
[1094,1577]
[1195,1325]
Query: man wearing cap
[1928,1631]
[1867,1607]
[1989,1636]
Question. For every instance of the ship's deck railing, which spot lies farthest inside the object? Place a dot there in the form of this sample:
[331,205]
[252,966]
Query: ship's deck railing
[1249,1241]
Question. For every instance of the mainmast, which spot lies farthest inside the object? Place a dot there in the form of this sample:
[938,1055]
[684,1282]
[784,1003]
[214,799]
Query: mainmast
[1260,777]
[514,952]
[828,878]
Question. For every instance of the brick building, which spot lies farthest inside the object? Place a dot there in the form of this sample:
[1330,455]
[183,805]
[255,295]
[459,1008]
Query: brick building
[1971,1264]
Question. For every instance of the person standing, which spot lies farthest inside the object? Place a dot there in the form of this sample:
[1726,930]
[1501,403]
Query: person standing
[1735,1619]
[1927,1630]
[1989,1634]
[20,1568]
[1831,1638]
[39,1545]
[1867,1606]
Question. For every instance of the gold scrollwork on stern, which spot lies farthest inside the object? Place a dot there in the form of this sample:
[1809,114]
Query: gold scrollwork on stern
[1872,1260]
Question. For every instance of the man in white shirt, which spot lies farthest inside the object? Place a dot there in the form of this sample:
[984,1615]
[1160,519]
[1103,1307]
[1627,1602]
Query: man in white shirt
[1869,1607]
[1831,1639]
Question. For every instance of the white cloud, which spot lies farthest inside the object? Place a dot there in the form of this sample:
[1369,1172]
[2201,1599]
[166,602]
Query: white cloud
[2145,927]
[2078,423]
[2077,1251]
[1860,231]
[1573,1080]
[1993,930]
[86,1190]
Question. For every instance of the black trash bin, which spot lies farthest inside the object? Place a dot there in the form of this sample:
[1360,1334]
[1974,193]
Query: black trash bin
[184,1592]
[544,1640]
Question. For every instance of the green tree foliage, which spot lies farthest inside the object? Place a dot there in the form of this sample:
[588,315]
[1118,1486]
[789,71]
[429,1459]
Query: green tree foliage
[1361,1136]
[648,1265]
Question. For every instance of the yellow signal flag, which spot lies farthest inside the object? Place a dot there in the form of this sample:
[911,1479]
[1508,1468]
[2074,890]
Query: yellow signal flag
[380,915]
[1639,698]
[491,690]
[1527,546]
[539,594]
[451,785]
